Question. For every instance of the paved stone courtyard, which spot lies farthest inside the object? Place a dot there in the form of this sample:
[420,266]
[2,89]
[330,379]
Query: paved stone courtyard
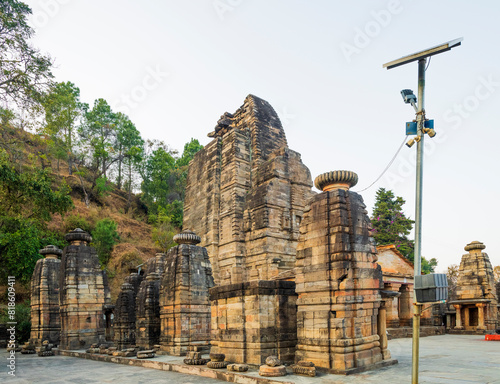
[444,359]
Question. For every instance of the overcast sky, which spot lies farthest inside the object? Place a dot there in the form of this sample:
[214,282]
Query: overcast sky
[175,66]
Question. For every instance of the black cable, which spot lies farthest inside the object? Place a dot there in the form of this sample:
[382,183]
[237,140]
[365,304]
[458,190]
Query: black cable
[388,166]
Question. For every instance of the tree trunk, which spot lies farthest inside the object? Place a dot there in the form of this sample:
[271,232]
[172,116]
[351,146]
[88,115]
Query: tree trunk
[119,181]
[70,164]
[129,202]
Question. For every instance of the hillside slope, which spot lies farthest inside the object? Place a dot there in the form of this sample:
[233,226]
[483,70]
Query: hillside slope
[135,245]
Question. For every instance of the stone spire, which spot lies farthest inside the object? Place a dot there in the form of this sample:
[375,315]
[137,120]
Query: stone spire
[148,312]
[83,293]
[338,281]
[124,324]
[184,300]
[45,318]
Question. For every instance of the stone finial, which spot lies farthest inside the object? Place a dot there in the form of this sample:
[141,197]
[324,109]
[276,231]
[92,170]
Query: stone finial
[475,246]
[187,237]
[78,235]
[336,180]
[50,251]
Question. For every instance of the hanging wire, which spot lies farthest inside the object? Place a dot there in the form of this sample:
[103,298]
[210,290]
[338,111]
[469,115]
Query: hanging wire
[388,166]
[428,63]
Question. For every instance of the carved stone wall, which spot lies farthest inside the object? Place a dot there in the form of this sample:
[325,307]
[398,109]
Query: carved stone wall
[254,320]
[245,196]
[338,282]
[45,318]
[83,293]
[184,301]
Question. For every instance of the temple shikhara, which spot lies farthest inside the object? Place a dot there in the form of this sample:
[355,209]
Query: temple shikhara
[266,272]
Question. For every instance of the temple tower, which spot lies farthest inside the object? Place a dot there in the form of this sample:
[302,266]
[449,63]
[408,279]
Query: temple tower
[83,293]
[148,312]
[338,281]
[184,301]
[245,197]
[45,318]
[124,318]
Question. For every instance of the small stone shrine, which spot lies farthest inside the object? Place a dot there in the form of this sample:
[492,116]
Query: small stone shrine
[477,303]
[83,293]
[184,302]
[124,327]
[148,312]
[45,318]
[338,281]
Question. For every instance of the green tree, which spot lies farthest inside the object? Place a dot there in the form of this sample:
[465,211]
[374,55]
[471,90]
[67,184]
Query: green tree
[164,231]
[25,73]
[98,136]
[27,202]
[129,147]
[63,110]
[164,177]
[159,180]
[104,238]
[428,266]
[22,319]
[390,225]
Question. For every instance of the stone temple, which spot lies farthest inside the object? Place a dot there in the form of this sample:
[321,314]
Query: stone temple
[266,271]
[245,198]
[476,305]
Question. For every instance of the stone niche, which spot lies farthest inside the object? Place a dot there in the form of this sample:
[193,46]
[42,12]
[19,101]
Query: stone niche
[45,318]
[339,327]
[84,291]
[148,312]
[245,198]
[184,301]
[477,302]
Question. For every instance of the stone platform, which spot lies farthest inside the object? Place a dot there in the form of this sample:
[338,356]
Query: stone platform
[443,360]
[402,332]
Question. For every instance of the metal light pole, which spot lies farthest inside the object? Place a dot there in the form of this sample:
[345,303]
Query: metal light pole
[417,308]
[421,57]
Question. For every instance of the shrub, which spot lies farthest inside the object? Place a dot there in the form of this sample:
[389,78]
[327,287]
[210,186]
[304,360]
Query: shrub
[76,221]
[105,237]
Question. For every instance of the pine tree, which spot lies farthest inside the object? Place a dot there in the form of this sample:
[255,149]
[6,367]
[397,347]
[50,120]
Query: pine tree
[390,225]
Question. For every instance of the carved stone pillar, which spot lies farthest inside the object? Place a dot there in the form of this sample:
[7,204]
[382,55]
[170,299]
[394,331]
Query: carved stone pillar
[458,325]
[382,330]
[480,308]
[393,305]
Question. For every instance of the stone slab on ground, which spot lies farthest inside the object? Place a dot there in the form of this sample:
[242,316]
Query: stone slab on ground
[443,360]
